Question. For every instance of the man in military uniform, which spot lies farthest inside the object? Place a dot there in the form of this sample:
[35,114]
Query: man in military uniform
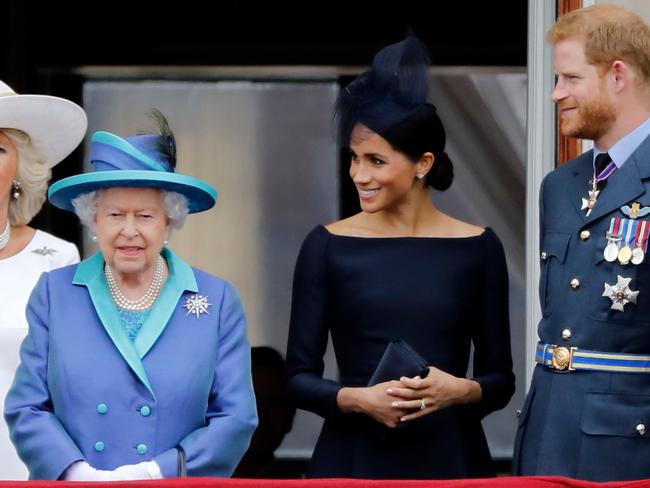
[587,414]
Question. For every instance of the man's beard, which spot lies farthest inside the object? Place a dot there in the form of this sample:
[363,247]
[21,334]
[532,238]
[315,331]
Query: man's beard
[593,120]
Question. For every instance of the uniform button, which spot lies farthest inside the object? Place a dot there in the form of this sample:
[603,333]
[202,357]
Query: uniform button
[544,255]
[99,446]
[566,334]
[585,234]
[102,408]
[640,429]
[142,448]
[575,283]
[145,411]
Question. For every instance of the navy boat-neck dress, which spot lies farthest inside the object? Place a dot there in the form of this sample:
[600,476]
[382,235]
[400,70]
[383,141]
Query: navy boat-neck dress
[440,295]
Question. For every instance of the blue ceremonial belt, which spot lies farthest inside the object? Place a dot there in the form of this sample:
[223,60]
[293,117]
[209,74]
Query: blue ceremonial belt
[563,358]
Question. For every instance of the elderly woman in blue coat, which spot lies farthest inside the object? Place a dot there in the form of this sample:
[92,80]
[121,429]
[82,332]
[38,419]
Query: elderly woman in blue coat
[135,365]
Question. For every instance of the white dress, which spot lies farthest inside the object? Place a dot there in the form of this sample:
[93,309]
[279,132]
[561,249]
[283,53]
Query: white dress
[18,275]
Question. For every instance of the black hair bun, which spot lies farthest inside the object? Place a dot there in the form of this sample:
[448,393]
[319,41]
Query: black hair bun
[441,175]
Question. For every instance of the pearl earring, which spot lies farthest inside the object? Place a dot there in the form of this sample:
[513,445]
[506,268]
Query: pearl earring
[93,238]
[419,176]
[16,190]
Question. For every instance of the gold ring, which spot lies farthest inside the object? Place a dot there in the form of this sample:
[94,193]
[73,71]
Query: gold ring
[423,404]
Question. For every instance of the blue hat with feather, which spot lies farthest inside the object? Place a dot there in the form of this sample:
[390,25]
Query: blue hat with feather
[141,161]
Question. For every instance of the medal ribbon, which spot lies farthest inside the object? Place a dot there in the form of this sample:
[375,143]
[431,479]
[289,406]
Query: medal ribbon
[612,223]
[618,228]
[630,231]
[607,172]
[638,238]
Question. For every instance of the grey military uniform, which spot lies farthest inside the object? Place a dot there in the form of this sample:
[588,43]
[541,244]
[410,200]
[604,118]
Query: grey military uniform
[588,424]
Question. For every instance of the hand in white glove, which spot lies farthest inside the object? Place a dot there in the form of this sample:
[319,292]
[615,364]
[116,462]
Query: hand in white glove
[148,470]
[82,471]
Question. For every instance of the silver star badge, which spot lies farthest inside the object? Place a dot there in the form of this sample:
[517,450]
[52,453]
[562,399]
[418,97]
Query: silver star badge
[196,305]
[44,251]
[590,203]
[620,293]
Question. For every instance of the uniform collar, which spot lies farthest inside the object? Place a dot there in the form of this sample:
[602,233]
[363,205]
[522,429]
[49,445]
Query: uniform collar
[625,147]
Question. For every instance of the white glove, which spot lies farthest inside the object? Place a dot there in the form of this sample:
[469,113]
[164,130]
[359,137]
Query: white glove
[82,471]
[148,470]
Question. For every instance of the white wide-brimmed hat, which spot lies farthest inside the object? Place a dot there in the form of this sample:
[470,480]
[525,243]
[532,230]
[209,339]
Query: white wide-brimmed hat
[55,125]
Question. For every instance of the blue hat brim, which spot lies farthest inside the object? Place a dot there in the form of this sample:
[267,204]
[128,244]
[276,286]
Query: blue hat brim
[200,195]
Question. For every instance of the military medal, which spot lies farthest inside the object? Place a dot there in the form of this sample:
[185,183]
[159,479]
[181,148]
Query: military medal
[624,255]
[620,293]
[637,256]
[625,252]
[611,250]
[590,203]
[641,239]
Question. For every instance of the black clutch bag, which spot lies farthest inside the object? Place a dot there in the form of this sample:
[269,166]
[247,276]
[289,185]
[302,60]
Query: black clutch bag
[399,360]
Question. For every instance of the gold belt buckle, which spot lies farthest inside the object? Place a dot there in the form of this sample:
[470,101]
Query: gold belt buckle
[563,358]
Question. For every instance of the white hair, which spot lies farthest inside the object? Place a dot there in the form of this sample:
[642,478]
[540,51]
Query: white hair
[176,207]
[33,174]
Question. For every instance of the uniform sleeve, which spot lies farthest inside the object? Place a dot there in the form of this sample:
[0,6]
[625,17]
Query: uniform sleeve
[541,211]
[231,417]
[308,330]
[491,335]
[40,439]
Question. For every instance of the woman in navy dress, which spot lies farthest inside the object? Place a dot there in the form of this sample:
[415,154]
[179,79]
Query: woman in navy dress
[399,269]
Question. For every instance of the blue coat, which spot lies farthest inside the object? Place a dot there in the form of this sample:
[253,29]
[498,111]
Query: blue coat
[83,390]
[583,424]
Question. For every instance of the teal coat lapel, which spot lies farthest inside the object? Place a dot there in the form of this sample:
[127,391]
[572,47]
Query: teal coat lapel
[181,278]
[90,273]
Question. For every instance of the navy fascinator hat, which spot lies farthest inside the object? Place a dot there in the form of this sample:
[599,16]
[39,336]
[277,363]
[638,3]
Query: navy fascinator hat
[390,99]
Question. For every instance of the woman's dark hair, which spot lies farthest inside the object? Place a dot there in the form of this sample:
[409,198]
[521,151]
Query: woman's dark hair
[390,99]
[422,132]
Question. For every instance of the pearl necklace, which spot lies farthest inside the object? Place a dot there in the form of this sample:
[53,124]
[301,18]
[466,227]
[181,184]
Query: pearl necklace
[5,236]
[144,302]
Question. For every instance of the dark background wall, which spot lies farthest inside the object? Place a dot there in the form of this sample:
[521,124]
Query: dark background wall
[42,42]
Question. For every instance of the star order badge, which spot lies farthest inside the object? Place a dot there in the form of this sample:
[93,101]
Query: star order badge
[196,305]
[590,203]
[620,293]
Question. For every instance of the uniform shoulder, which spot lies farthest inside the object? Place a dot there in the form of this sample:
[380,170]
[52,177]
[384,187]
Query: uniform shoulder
[570,167]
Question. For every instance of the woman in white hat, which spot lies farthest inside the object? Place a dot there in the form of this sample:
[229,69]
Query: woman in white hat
[136,365]
[36,133]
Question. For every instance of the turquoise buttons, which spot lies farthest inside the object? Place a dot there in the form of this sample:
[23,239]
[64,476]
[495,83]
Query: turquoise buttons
[142,448]
[102,408]
[99,446]
[145,411]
